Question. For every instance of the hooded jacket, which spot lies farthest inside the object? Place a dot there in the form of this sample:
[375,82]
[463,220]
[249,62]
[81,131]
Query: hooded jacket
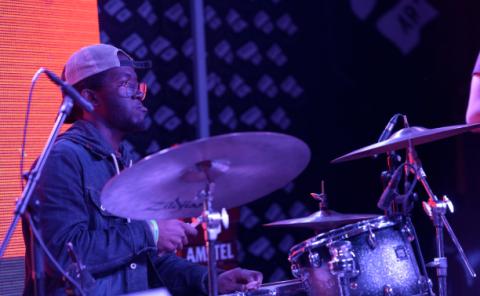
[119,253]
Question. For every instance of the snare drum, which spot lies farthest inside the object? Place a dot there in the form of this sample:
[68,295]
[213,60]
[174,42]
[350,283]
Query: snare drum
[373,257]
[284,288]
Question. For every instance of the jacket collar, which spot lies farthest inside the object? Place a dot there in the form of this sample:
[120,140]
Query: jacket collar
[86,134]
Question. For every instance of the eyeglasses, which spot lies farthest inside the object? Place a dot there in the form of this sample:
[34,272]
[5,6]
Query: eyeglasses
[130,89]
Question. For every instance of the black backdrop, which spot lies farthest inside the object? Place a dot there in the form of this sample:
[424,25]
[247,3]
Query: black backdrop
[331,73]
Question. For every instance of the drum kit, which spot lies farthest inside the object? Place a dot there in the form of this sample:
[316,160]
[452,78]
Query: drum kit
[351,254]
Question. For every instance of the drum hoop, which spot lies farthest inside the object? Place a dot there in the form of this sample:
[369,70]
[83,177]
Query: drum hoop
[341,233]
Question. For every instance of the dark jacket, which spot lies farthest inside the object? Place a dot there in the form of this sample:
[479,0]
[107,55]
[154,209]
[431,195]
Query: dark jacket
[120,254]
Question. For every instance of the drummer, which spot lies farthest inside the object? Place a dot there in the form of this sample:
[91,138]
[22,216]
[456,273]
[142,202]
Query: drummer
[122,255]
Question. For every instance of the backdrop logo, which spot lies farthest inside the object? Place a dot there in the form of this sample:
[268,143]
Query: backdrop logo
[402,24]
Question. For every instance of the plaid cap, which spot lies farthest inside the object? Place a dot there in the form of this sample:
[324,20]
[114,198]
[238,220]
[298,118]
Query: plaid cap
[97,58]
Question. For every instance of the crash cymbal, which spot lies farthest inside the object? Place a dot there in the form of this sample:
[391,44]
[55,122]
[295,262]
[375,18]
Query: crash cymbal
[243,167]
[405,137]
[321,221]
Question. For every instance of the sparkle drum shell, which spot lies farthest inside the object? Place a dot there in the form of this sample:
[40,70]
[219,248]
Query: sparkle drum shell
[382,261]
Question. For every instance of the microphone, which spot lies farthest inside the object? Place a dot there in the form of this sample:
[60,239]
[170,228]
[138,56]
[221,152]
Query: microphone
[70,91]
[389,193]
[387,132]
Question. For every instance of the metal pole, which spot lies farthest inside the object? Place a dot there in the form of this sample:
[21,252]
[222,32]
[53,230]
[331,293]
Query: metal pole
[440,260]
[200,68]
[211,229]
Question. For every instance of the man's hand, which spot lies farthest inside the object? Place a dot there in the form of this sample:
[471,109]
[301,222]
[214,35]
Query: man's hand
[173,235]
[239,279]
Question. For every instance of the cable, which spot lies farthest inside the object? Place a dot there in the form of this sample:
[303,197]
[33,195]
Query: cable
[50,256]
[25,125]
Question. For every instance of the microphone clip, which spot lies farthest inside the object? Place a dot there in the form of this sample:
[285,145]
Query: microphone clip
[390,193]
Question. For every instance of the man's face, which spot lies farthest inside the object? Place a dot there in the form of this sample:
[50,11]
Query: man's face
[120,102]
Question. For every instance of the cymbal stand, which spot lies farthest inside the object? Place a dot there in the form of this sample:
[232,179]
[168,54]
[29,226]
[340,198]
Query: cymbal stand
[436,209]
[212,226]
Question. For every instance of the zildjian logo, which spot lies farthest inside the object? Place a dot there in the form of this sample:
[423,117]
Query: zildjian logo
[177,204]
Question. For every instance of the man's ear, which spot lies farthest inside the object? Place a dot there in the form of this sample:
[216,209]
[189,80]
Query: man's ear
[90,96]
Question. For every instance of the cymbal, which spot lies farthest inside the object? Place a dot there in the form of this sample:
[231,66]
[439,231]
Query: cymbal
[322,220]
[242,166]
[407,136]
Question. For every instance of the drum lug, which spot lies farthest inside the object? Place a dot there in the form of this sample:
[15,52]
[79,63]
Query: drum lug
[314,259]
[296,271]
[353,285]
[425,284]
[387,290]
[408,232]
[371,239]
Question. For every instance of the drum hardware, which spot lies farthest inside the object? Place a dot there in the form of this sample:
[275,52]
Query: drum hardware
[400,208]
[438,209]
[407,138]
[371,240]
[407,230]
[387,290]
[342,264]
[321,197]
[295,268]
[390,192]
[212,226]
[314,259]
[363,270]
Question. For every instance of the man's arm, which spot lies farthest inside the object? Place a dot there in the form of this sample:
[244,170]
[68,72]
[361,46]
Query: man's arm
[473,109]
[185,278]
[180,276]
[67,216]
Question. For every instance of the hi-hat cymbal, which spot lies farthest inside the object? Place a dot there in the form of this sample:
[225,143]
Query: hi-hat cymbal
[322,220]
[243,167]
[405,137]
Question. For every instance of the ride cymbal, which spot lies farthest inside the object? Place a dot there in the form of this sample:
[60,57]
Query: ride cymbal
[242,166]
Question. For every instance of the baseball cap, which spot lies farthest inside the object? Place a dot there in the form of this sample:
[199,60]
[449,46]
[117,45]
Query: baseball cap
[93,59]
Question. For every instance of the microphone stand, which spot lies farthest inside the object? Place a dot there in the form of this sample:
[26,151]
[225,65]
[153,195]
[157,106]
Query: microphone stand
[436,209]
[21,206]
[24,201]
